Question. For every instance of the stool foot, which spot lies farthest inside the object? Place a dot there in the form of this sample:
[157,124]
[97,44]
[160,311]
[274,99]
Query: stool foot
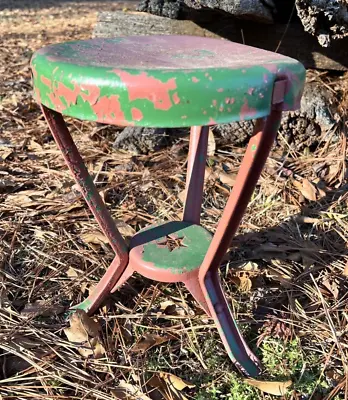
[236,347]
[103,289]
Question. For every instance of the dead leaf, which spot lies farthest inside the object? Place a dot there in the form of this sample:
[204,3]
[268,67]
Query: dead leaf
[227,179]
[270,387]
[125,229]
[94,237]
[34,146]
[345,271]
[211,144]
[209,173]
[175,381]
[85,331]
[243,282]
[126,391]
[182,196]
[251,266]
[92,348]
[5,154]
[170,308]
[307,189]
[148,341]
[41,307]
[80,321]
[164,383]
[71,273]
[332,286]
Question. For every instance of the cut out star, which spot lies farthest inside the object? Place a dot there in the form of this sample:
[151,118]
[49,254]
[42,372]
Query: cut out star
[174,243]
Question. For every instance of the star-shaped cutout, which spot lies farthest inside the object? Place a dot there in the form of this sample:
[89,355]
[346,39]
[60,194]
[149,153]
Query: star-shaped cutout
[172,242]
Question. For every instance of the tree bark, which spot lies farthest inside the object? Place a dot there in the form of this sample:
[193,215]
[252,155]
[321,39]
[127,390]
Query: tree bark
[325,19]
[255,10]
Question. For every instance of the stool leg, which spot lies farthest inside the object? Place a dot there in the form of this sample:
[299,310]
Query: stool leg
[78,169]
[255,157]
[194,287]
[127,273]
[195,173]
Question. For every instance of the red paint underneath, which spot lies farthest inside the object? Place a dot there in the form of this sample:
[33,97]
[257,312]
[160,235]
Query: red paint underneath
[147,87]
[109,108]
[246,111]
[137,115]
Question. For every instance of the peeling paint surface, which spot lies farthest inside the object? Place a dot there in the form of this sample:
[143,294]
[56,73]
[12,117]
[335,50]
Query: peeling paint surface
[155,242]
[162,81]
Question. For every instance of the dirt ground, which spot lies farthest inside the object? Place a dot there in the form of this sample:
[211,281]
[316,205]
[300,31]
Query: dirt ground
[285,276]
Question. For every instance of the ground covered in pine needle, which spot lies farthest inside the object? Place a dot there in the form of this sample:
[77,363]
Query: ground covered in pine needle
[285,275]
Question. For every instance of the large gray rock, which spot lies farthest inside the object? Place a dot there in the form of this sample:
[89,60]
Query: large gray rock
[256,10]
[325,19]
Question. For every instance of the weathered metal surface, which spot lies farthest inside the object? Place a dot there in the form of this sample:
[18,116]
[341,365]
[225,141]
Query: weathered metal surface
[169,252]
[79,171]
[162,81]
[156,93]
[197,158]
[248,175]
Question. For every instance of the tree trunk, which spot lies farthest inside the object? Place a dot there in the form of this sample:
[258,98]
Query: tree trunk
[325,19]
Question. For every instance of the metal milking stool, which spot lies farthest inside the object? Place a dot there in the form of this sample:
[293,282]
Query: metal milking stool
[171,81]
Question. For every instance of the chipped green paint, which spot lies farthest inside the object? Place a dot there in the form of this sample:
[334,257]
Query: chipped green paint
[84,305]
[162,81]
[195,242]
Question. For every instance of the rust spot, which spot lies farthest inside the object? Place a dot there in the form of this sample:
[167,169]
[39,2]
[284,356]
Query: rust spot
[221,109]
[220,90]
[106,106]
[137,115]
[176,98]
[271,68]
[250,91]
[246,111]
[214,103]
[184,117]
[194,79]
[211,121]
[147,87]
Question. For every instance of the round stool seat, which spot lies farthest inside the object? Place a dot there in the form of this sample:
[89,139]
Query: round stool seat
[169,252]
[162,81]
